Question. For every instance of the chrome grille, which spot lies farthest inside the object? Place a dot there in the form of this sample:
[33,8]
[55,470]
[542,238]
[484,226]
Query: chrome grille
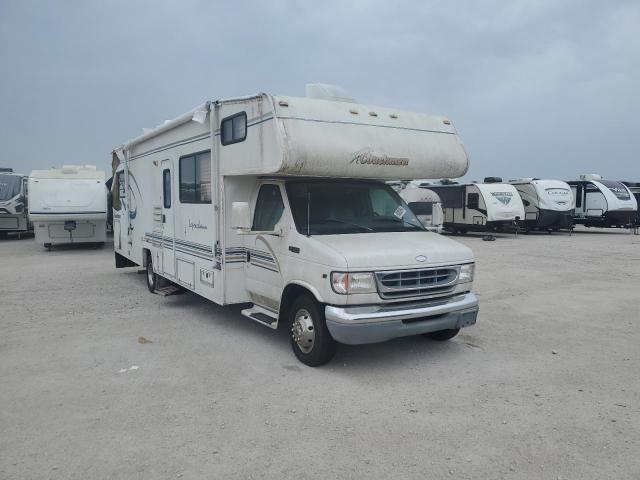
[415,283]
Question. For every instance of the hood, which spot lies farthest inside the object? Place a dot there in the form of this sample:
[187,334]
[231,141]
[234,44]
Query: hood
[393,250]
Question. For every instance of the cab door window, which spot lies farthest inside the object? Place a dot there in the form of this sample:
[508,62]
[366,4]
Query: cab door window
[269,208]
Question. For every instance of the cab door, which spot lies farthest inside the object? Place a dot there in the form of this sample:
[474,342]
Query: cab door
[263,275]
[168,238]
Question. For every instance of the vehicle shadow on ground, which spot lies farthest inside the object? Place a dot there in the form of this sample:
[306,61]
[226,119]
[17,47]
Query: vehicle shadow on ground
[391,355]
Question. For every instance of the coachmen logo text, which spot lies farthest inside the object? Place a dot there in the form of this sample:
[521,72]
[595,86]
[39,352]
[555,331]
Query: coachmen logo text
[504,197]
[367,157]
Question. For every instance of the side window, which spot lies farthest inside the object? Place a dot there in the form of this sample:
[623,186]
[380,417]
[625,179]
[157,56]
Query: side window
[233,129]
[473,200]
[166,188]
[195,178]
[269,208]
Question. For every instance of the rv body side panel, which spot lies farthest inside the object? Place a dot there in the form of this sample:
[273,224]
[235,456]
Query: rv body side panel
[167,208]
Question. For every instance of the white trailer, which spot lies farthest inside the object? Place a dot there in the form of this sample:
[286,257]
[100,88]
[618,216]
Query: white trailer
[548,204]
[426,205]
[634,188]
[14,203]
[68,205]
[603,203]
[279,202]
[479,207]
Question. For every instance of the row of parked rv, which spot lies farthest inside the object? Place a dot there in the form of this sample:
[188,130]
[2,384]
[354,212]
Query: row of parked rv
[525,204]
[280,203]
[62,205]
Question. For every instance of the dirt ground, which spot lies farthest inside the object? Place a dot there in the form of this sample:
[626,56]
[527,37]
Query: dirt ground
[545,386]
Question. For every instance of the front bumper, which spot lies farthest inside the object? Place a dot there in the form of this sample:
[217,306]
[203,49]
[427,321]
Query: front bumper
[378,323]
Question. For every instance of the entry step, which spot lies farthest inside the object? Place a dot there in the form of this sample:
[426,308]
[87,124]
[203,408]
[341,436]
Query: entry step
[169,290]
[261,315]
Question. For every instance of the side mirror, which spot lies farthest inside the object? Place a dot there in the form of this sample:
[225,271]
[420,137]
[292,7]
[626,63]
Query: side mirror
[240,216]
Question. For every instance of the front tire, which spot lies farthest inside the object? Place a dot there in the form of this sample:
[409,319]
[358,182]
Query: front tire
[311,341]
[443,335]
[152,278]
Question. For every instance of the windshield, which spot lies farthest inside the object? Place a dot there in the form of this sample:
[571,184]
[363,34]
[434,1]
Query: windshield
[339,207]
[9,186]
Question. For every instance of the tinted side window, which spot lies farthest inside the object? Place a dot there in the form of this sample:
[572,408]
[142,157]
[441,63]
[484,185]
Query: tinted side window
[269,208]
[473,200]
[166,188]
[195,178]
[233,129]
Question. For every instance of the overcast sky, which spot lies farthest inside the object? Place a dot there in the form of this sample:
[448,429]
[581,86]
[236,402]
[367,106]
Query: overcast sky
[546,89]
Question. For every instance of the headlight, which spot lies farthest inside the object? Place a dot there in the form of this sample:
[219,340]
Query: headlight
[347,283]
[466,273]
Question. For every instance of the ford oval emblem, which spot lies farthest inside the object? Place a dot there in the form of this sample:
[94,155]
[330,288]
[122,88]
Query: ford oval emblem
[421,258]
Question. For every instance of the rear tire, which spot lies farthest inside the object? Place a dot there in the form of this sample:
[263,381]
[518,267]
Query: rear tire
[152,278]
[311,341]
[443,335]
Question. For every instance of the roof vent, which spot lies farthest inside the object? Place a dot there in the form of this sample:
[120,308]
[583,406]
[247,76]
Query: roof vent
[324,91]
[590,176]
[492,180]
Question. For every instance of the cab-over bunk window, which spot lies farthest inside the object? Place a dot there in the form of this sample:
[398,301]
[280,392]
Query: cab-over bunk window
[195,178]
[233,129]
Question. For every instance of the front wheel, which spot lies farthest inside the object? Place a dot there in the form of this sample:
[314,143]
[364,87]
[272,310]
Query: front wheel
[443,335]
[311,341]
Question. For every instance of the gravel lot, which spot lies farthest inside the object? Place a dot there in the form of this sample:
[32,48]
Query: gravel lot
[545,386]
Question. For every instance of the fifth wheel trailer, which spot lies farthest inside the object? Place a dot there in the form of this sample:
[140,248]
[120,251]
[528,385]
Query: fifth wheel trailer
[548,204]
[280,202]
[68,205]
[634,188]
[14,206]
[479,207]
[603,203]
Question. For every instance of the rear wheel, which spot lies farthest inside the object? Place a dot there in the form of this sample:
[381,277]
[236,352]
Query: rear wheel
[311,341]
[152,278]
[443,335]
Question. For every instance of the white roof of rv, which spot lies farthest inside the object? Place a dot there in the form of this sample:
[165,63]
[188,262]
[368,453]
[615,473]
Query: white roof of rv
[70,172]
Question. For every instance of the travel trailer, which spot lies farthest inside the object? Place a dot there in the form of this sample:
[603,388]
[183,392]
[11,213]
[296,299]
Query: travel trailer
[602,203]
[14,206]
[481,207]
[426,205]
[68,205]
[280,202]
[634,188]
[548,204]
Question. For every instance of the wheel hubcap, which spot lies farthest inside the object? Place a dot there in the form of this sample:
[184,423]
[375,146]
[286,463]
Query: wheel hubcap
[303,331]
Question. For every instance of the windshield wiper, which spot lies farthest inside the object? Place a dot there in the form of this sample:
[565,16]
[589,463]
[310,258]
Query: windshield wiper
[368,229]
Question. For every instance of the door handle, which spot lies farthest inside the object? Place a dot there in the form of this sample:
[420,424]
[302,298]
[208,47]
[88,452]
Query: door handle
[164,218]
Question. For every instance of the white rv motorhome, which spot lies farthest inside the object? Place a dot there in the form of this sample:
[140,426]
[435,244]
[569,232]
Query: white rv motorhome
[279,202]
[426,205]
[68,205]
[548,204]
[14,207]
[602,203]
[481,207]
